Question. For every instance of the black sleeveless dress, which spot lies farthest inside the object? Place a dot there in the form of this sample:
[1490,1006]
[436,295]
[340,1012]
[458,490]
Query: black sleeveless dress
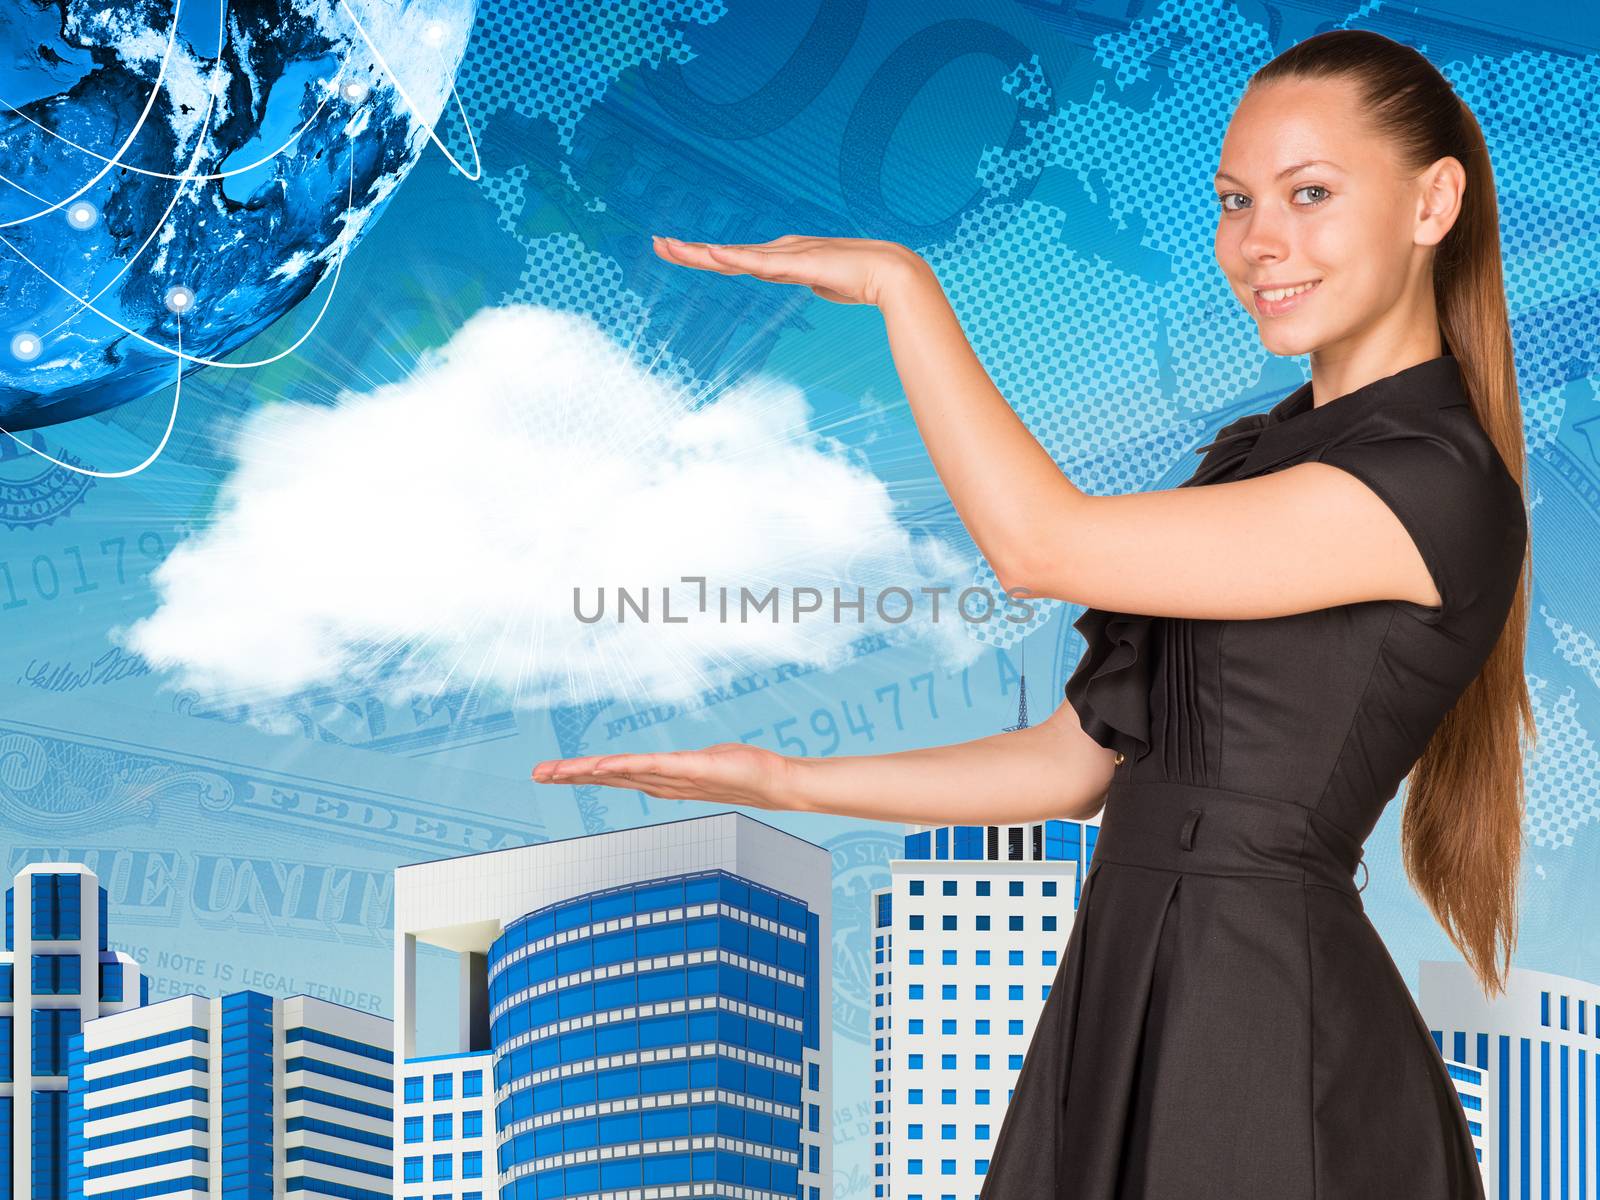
[1226,1023]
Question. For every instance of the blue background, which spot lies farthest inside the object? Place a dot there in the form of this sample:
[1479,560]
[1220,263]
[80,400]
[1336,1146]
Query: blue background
[1052,161]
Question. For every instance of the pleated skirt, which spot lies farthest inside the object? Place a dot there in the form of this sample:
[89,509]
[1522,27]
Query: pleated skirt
[1227,1024]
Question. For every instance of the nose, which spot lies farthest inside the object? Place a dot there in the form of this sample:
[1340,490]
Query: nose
[1265,238]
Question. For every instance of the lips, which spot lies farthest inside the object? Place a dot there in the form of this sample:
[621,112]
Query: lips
[1274,308]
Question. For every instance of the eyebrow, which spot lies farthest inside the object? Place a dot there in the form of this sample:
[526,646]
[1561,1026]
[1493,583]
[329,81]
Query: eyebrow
[1289,170]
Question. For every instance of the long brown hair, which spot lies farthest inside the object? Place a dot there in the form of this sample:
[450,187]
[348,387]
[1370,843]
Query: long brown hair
[1461,832]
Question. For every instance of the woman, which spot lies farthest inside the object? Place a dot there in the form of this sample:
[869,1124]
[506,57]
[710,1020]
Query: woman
[1334,601]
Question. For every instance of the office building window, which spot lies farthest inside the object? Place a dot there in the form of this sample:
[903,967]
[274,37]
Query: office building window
[441,1127]
[52,1029]
[413,1089]
[57,908]
[413,1129]
[472,1084]
[57,975]
[443,1087]
[111,982]
[442,1164]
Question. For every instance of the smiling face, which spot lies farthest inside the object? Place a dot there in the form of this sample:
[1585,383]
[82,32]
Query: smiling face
[1318,224]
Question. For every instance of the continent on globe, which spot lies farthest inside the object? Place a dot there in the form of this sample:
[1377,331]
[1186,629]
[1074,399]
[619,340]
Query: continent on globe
[168,165]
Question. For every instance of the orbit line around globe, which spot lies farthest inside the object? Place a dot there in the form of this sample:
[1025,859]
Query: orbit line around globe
[86,303]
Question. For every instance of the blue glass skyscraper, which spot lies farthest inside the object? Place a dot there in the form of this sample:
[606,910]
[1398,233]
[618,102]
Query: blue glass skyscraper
[646,1008]
[698,993]
[56,974]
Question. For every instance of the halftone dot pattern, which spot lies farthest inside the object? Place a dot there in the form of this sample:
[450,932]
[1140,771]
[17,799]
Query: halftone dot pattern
[1573,645]
[1551,249]
[556,62]
[557,59]
[1027,83]
[1562,779]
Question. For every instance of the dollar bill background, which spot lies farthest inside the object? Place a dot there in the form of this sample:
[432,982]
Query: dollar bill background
[1049,159]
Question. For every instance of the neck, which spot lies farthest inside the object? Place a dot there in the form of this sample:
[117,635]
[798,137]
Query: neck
[1405,336]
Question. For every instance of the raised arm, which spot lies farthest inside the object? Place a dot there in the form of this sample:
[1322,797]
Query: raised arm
[1307,537]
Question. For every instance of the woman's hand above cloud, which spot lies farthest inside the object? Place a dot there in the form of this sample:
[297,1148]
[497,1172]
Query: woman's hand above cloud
[843,270]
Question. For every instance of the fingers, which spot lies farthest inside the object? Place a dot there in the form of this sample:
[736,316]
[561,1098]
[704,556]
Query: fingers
[680,767]
[724,260]
[768,260]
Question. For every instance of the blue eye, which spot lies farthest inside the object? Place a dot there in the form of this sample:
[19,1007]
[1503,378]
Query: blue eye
[1314,187]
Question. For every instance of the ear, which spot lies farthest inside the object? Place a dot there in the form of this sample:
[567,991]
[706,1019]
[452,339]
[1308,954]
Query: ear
[1439,191]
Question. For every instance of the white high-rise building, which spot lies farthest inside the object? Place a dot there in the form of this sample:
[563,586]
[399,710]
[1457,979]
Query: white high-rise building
[966,941]
[1539,1044]
[640,1012]
[56,975]
[246,1096]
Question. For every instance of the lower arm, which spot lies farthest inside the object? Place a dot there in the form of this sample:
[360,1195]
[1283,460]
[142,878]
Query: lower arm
[1004,779]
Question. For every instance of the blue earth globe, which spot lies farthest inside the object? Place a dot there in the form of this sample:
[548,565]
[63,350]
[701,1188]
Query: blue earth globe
[193,168]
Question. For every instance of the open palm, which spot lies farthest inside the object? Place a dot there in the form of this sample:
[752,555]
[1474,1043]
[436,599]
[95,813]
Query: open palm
[727,773]
[844,270]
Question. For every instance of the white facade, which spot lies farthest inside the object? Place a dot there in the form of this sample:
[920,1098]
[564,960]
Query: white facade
[51,977]
[966,942]
[245,1095]
[464,904]
[1539,1044]
[444,1108]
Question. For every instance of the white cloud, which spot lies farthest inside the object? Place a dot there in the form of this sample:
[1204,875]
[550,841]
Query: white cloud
[451,515]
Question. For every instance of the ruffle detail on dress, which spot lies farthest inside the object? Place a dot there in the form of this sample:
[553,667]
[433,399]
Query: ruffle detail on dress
[1228,450]
[1110,689]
